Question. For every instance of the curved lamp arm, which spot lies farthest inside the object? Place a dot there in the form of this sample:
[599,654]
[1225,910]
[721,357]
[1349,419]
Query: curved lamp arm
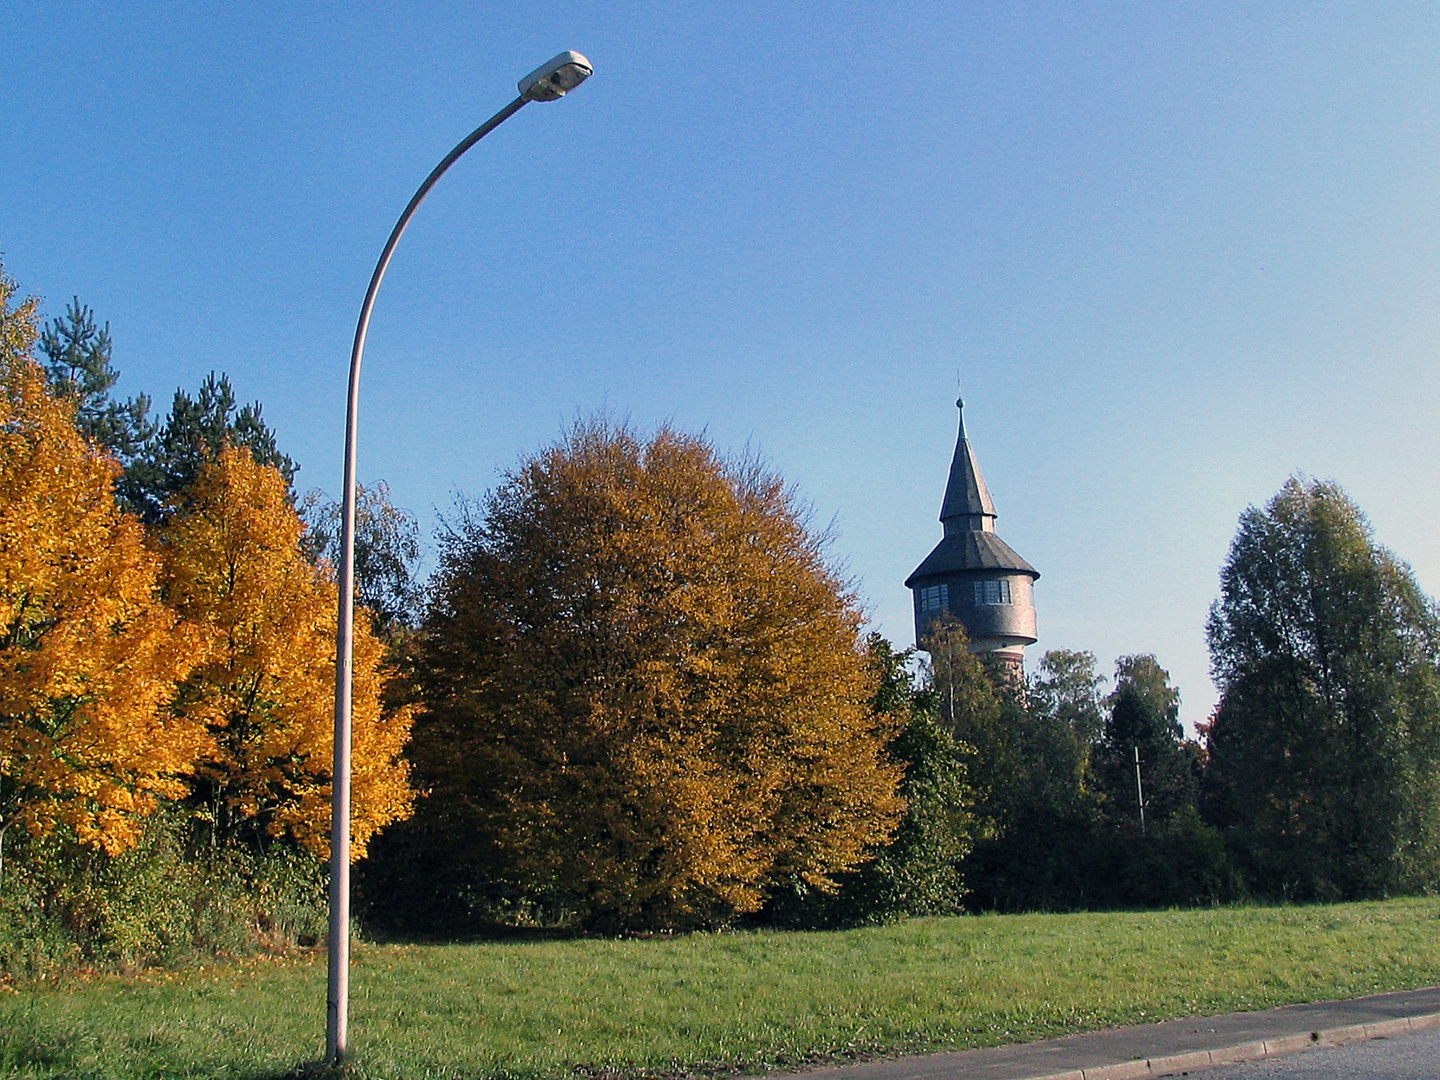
[549,82]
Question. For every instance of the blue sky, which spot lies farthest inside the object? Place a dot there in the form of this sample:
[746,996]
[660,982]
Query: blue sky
[1176,252]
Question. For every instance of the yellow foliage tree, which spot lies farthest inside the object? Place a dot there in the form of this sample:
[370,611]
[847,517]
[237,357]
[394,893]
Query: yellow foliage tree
[645,689]
[264,687]
[89,657]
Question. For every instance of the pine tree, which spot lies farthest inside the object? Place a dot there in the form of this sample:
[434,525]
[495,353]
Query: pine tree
[192,436]
[1144,717]
[79,370]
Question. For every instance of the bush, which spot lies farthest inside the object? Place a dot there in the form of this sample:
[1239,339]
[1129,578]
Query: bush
[166,902]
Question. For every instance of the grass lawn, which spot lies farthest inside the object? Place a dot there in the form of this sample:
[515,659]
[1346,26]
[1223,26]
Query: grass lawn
[713,1002]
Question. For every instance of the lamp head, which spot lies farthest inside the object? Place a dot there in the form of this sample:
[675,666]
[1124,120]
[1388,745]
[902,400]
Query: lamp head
[553,80]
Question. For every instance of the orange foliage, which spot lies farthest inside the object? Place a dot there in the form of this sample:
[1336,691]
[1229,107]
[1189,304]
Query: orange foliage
[265,685]
[645,687]
[89,657]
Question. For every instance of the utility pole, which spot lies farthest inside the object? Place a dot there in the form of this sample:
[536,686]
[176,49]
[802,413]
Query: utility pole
[1139,791]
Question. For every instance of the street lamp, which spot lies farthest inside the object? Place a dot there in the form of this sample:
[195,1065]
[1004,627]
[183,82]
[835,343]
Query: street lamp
[549,82]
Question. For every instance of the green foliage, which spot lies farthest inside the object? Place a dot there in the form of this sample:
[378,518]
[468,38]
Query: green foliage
[387,552]
[1067,690]
[1325,749]
[78,369]
[1042,853]
[918,872]
[976,713]
[1059,802]
[190,437]
[164,902]
[1144,715]
[158,459]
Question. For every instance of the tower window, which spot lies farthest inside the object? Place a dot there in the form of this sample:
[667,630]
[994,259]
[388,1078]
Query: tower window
[992,592]
[934,597]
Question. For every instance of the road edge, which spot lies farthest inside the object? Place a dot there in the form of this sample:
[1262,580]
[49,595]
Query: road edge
[1254,1050]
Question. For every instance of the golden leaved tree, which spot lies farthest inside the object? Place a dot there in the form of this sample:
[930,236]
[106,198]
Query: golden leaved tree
[264,687]
[644,688]
[89,657]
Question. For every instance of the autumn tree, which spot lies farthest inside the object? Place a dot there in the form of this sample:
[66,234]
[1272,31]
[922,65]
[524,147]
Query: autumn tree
[1325,749]
[645,697]
[919,871]
[89,657]
[264,683]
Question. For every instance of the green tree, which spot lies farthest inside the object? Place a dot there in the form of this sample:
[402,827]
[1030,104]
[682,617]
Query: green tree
[1038,855]
[79,370]
[1324,749]
[918,872]
[1067,689]
[644,690]
[192,436]
[387,552]
[1144,716]
[974,711]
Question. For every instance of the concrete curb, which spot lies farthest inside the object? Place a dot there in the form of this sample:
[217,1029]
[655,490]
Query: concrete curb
[1251,1051]
[1165,1048]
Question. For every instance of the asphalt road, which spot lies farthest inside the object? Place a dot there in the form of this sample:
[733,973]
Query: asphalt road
[1402,1057]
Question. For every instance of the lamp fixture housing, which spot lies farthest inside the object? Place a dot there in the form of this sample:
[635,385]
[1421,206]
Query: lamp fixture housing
[553,80]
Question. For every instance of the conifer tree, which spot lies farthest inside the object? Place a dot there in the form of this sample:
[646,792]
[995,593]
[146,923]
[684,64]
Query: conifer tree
[191,436]
[79,369]
[1144,716]
[159,459]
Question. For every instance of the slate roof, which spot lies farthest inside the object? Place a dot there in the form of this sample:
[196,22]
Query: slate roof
[965,493]
[970,545]
[970,551]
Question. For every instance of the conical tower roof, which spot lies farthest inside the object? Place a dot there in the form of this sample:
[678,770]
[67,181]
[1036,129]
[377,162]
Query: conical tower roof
[966,494]
[968,514]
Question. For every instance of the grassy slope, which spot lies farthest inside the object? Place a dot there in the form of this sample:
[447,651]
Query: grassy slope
[540,1009]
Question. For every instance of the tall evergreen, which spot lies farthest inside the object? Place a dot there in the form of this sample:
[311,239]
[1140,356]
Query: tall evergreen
[78,368]
[158,459]
[191,436]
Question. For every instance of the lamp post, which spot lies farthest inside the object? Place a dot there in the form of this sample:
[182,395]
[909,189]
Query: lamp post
[549,82]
